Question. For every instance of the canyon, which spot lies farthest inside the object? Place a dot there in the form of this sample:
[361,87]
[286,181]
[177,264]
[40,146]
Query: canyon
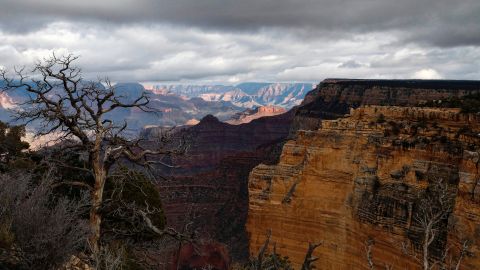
[232,173]
[348,168]
[176,105]
[167,109]
[208,185]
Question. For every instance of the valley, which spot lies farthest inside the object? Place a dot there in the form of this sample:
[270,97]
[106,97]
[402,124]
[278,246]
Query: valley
[240,135]
[333,145]
[347,169]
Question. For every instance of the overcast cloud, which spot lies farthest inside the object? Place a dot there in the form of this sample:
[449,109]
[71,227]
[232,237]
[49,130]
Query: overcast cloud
[210,41]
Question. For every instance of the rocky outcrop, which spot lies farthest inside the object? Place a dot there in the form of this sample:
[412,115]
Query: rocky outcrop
[361,178]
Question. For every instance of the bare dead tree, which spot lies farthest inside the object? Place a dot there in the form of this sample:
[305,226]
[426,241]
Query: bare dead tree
[309,258]
[261,252]
[78,112]
[268,260]
[369,243]
[368,252]
[265,260]
[464,250]
[434,208]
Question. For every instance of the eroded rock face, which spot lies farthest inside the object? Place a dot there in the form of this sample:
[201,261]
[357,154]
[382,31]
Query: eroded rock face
[360,178]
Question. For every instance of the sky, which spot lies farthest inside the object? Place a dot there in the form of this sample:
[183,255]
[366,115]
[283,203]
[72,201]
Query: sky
[233,41]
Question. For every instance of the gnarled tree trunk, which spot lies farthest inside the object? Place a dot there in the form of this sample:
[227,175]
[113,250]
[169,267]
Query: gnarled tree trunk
[100,175]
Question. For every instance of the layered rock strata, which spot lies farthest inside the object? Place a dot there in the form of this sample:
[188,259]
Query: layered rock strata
[361,178]
[333,98]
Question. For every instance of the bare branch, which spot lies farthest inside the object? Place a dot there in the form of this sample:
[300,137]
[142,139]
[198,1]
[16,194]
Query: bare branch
[309,258]
[168,231]
[368,250]
[72,183]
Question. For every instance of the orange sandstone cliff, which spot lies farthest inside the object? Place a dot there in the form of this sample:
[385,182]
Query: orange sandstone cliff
[360,178]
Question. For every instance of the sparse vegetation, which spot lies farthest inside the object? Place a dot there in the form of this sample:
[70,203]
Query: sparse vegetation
[40,227]
[11,145]
[467,104]
[53,202]
[269,258]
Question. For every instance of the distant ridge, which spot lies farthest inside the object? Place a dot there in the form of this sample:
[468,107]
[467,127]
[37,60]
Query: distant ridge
[245,95]
[409,83]
[251,114]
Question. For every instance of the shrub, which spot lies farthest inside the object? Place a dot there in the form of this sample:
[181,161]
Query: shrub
[46,228]
[11,144]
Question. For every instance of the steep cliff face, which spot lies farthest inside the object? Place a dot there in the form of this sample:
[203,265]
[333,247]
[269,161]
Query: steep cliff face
[362,177]
[333,98]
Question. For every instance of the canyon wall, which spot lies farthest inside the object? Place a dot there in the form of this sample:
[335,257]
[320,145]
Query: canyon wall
[360,178]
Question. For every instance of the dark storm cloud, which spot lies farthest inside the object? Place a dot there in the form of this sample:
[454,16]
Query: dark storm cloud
[350,64]
[444,23]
